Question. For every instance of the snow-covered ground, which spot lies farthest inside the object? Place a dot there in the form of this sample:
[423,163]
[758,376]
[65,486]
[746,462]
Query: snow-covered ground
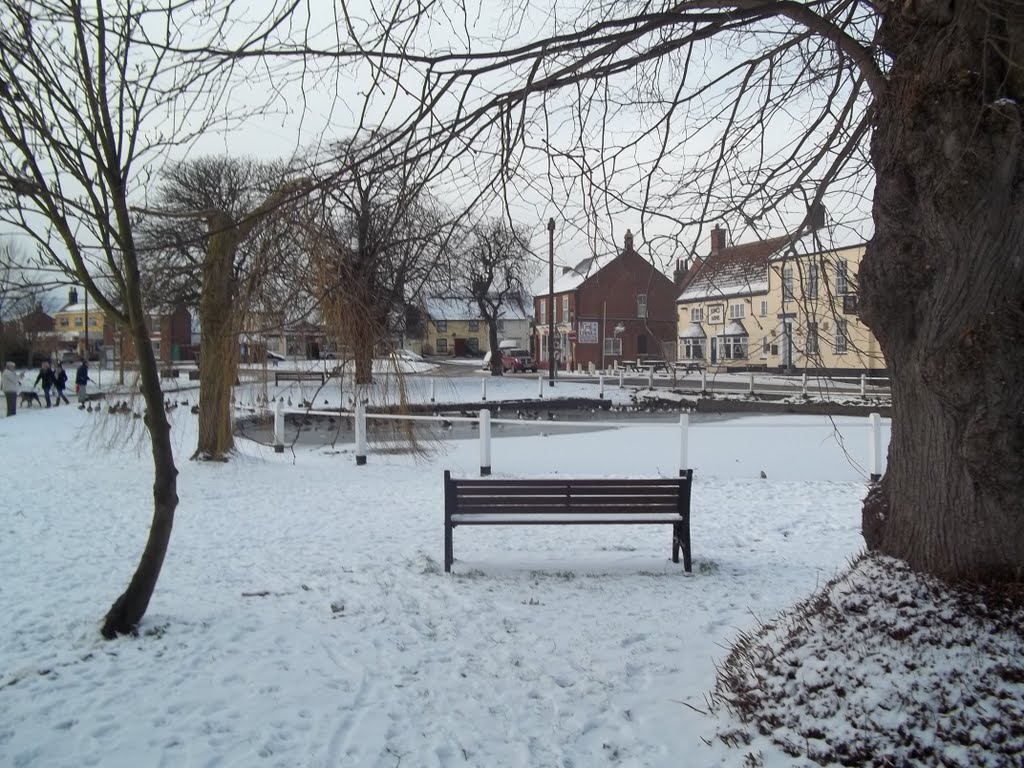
[303,617]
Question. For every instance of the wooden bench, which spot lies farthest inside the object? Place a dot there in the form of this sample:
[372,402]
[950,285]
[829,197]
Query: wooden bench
[606,501]
[168,373]
[280,376]
[652,366]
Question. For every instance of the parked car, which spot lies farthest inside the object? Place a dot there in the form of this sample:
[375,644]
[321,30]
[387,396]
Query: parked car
[518,360]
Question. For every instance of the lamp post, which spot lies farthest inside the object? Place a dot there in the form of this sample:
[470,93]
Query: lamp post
[551,302]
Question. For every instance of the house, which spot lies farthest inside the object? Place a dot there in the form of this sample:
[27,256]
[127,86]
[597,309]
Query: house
[80,327]
[607,308]
[765,305]
[170,333]
[454,327]
[29,339]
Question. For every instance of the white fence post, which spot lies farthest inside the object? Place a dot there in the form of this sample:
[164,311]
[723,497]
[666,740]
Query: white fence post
[803,384]
[751,382]
[650,379]
[703,381]
[863,385]
[432,390]
[360,433]
[621,374]
[483,390]
[875,447]
[540,385]
[278,426]
[600,386]
[684,441]
[485,442]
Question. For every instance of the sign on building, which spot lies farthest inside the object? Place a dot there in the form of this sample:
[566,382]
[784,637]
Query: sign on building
[588,332]
[716,314]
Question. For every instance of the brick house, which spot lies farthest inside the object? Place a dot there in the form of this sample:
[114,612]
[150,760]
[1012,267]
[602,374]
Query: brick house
[170,332]
[607,308]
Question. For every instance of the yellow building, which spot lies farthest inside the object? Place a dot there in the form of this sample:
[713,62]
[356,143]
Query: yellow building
[455,328]
[79,321]
[760,306]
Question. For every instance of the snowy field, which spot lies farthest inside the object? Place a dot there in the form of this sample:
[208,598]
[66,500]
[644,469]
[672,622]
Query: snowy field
[303,619]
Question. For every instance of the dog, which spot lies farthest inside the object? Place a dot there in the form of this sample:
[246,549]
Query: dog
[29,398]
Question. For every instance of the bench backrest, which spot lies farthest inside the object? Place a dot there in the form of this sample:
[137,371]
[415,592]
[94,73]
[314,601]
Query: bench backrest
[612,496]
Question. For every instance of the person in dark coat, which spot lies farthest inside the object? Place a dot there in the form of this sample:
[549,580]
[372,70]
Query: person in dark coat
[47,378]
[60,381]
[82,383]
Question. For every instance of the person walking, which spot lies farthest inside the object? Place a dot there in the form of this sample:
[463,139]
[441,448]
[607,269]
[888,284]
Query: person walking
[10,383]
[47,378]
[82,383]
[60,381]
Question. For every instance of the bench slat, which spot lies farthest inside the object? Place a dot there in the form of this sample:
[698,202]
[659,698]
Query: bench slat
[569,509]
[596,482]
[461,519]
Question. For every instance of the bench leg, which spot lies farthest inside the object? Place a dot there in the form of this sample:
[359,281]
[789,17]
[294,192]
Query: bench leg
[448,556]
[676,536]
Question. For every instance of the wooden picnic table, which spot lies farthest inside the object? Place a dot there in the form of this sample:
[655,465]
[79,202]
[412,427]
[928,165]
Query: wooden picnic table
[652,366]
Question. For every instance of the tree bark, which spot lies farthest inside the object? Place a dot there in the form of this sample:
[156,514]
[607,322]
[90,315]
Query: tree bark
[127,611]
[942,288]
[218,345]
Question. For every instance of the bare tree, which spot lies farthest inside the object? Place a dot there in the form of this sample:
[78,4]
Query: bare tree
[90,98]
[216,218]
[691,112]
[491,269]
[376,239]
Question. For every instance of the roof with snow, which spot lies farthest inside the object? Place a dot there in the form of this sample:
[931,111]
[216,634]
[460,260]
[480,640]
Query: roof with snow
[456,308]
[739,270]
[571,278]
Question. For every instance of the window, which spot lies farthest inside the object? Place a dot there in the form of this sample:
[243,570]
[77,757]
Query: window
[812,337]
[612,346]
[842,279]
[735,311]
[841,340]
[441,325]
[764,308]
[787,284]
[474,325]
[78,322]
[442,345]
[693,349]
[542,312]
[641,305]
[473,344]
[697,315]
[811,289]
[92,322]
[733,347]
[501,326]
[565,308]
[64,322]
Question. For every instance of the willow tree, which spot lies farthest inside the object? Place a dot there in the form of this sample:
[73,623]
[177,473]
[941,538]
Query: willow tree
[92,97]
[683,113]
[224,220]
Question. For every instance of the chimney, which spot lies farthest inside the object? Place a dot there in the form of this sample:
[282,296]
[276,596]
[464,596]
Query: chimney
[629,240]
[679,273]
[816,217]
[72,296]
[717,239]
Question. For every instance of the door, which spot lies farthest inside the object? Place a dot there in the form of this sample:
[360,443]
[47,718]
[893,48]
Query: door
[714,349]
[787,343]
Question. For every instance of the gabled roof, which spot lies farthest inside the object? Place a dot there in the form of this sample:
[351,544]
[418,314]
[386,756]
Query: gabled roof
[455,308]
[739,270]
[571,278]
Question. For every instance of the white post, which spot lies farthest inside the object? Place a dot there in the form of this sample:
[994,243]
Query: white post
[485,442]
[751,382]
[278,426]
[803,384]
[360,433]
[621,373]
[863,385]
[483,389]
[684,440]
[540,385]
[703,381]
[432,390]
[875,447]
[600,386]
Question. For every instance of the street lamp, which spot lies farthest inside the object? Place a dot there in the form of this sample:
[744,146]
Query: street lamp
[551,302]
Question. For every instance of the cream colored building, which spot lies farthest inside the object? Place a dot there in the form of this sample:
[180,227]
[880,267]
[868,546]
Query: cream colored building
[759,306]
[455,328]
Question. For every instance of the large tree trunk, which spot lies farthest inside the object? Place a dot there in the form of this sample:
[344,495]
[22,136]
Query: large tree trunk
[942,286]
[497,369]
[218,346]
[128,610]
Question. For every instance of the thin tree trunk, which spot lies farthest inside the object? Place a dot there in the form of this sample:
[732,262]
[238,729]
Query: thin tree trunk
[492,338]
[942,287]
[127,611]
